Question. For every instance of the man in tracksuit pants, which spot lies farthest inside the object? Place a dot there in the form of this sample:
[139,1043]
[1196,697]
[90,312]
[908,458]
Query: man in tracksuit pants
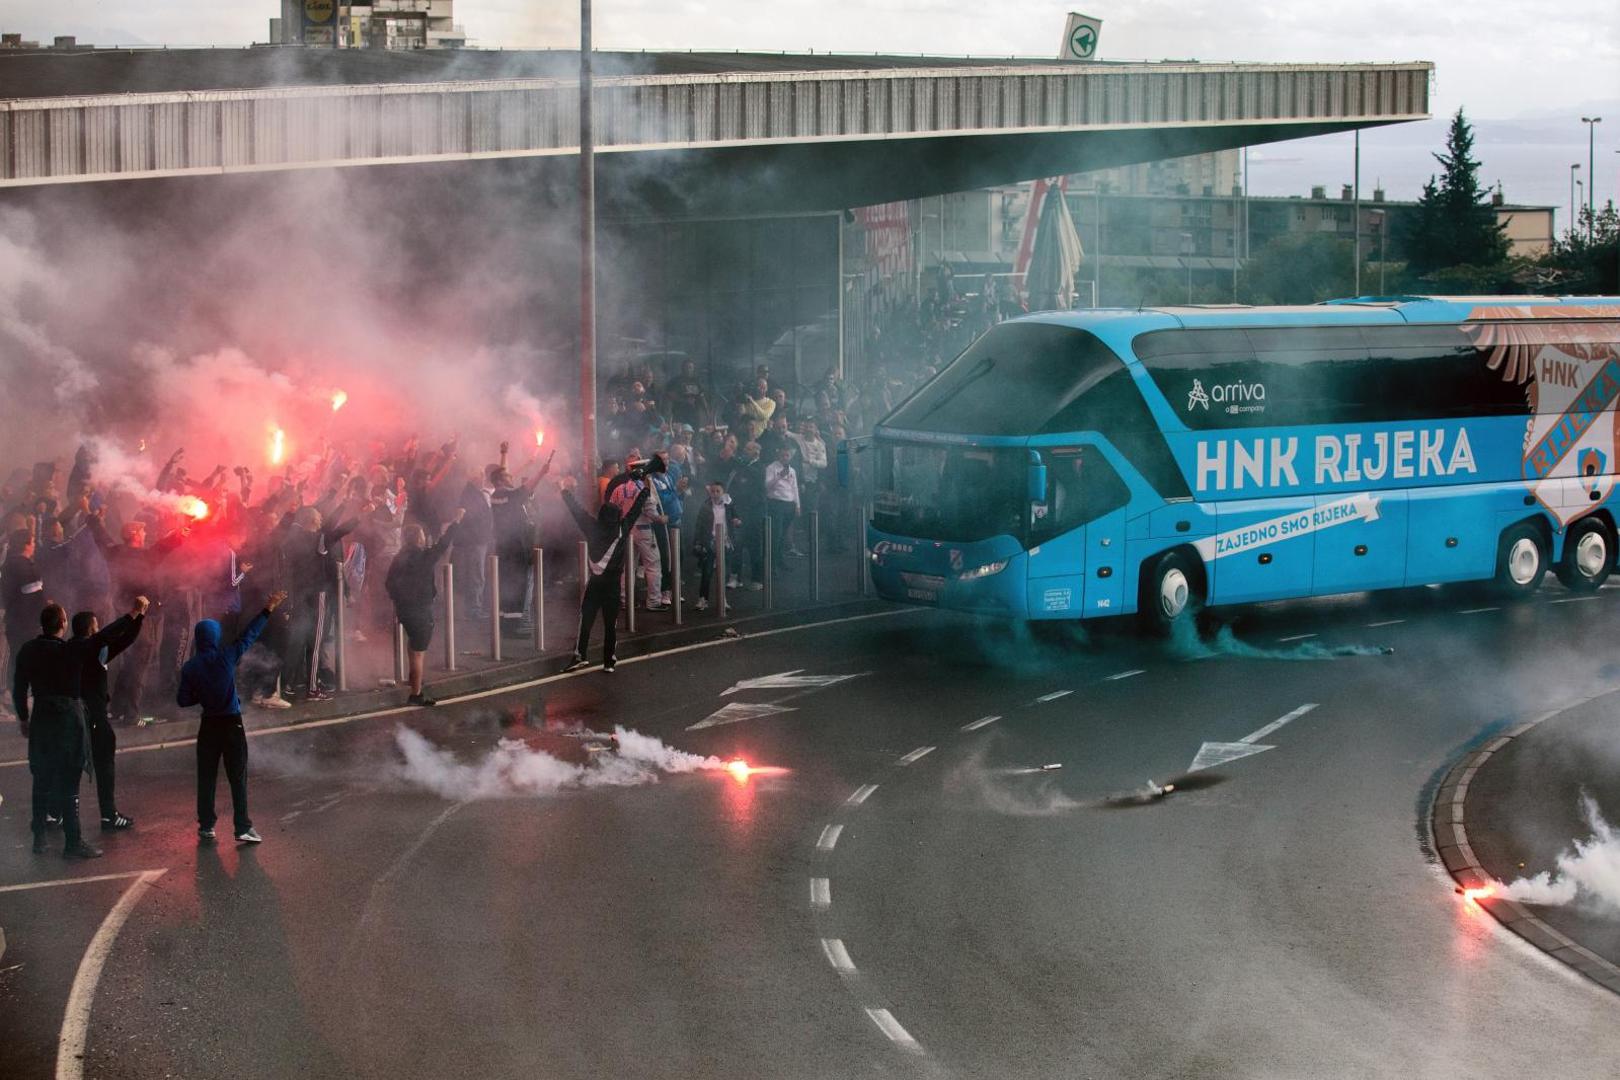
[52,670]
[209,680]
[94,692]
[607,537]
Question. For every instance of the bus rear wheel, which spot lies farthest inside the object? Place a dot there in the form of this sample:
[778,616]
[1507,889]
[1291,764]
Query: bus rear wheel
[1588,556]
[1521,561]
[1172,592]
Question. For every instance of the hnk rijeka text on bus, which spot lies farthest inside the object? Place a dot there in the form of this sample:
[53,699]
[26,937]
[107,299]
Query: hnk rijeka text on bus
[1353,458]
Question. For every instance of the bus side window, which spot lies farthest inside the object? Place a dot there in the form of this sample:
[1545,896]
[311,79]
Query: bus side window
[1082,488]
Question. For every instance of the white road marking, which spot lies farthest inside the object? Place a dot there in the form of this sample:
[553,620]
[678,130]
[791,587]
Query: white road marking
[1386,622]
[983,721]
[25,886]
[1571,599]
[1212,754]
[829,837]
[791,680]
[1295,637]
[400,710]
[898,1035]
[735,711]
[1053,696]
[838,956]
[916,755]
[820,893]
[1477,610]
[862,793]
[1126,675]
[76,1018]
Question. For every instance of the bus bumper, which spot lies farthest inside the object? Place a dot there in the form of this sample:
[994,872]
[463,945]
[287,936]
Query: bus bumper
[986,576]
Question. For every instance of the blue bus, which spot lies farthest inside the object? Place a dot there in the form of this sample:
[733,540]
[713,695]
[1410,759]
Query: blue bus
[1083,464]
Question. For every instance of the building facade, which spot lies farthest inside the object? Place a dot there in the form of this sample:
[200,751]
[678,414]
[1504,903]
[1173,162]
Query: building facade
[372,24]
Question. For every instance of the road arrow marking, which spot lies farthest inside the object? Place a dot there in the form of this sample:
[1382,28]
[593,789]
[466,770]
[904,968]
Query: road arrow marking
[736,711]
[1212,754]
[791,680]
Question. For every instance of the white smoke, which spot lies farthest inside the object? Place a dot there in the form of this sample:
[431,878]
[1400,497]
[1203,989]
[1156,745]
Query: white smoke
[1025,792]
[514,769]
[1588,873]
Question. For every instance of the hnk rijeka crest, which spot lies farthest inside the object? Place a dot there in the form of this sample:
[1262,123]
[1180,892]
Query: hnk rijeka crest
[1571,376]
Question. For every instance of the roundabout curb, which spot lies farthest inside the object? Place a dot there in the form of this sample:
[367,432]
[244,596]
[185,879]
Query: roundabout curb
[1448,828]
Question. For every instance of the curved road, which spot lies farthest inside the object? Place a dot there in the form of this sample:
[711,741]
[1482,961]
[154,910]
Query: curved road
[912,890]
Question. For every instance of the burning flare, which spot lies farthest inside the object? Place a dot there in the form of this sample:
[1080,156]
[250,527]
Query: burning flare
[339,399]
[540,438]
[193,507]
[278,446]
[1474,896]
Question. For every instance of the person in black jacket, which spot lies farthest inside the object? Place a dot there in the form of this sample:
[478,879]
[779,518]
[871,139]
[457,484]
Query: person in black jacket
[52,670]
[412,588]
[607,538]
[94,693]
[22,592]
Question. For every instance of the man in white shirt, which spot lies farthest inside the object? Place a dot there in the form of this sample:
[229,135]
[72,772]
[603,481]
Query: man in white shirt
[781,502]
[813,462]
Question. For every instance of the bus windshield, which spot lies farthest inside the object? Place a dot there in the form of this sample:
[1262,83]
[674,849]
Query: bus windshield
[952,493]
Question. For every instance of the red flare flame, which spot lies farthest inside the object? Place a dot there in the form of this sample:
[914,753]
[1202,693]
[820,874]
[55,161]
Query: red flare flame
[278,446]
[1474,896]
[193,507]
[540,438]
[339,399]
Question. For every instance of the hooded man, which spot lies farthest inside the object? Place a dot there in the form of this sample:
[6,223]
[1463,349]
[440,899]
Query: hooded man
[52,670]
[412,588]
[607,538]
[209,679]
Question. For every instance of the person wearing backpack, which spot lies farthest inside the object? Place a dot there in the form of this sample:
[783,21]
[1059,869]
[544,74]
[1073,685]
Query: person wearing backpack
[607,538]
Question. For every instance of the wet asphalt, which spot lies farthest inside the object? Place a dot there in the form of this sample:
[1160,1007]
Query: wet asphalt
[914,889]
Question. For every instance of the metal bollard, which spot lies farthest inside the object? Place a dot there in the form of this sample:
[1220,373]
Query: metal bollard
[630,586]
[815,556]
[675,569]
[449,617]
[584,568]
[540,600]
[492,582]
[401,664]
[320,632]
[860,551]
[770,563]
[340,655]
[720,570]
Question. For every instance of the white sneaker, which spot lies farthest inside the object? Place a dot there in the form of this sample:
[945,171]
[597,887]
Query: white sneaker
[756,586]
[731,582]
[702,604]
[666,599]
[273,701]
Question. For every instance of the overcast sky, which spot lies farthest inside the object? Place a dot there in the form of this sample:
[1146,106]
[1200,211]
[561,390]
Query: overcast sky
[1547,63]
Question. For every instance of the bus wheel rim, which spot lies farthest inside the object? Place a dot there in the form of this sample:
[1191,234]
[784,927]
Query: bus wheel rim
[1173,593]
[1591,555]
[1524,559]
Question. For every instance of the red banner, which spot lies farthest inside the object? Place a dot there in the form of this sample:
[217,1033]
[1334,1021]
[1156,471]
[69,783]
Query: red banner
[888,237]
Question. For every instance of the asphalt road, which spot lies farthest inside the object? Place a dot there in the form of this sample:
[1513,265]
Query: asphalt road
[911,891]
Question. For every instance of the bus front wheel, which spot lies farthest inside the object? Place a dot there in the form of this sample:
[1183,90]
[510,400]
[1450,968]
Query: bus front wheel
[1521,561]
[1172,592]
[1588,556]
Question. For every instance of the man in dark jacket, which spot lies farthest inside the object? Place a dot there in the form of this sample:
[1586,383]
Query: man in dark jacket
[93,691]
[22,592]
[412,588]
[52,669]
[136,570]
[209,679]
[474,540]
[607,538]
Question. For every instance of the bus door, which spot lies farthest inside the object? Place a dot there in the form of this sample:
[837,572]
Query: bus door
[1360,541]
[1086,501]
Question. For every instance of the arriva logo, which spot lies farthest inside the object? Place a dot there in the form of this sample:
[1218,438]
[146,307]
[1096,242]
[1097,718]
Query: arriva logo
[1196,396]
[1238,397]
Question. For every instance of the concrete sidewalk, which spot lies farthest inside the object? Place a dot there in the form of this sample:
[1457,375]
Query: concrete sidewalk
[1522,806]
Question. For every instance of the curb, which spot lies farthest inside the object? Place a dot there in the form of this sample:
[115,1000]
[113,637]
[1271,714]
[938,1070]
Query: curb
[1449,831]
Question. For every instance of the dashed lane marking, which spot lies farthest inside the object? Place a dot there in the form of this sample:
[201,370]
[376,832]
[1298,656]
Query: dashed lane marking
[981,722]
[820,893]
[838,956]
[829,837]
[1131,674]
[1477,610]
[1386,622]
[898,1035]
[76,1018]
[1295,637]
[916,755]
[1053,696]
[1571,599]
[862,793]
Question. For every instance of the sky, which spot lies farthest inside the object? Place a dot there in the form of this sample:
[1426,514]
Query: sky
[1525,71]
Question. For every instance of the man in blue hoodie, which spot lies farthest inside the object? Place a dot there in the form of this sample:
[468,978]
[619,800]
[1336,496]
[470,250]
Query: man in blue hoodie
[209,679]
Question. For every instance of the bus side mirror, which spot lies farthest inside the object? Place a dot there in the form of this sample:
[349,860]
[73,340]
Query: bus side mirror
[1037,483]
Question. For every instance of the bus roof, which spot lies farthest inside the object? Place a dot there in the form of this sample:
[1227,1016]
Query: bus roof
[1352,311]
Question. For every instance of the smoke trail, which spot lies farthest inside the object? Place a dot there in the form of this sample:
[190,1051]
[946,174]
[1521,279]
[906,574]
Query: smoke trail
[1589,872]
[1185,644]
[513,769]
[1014,792]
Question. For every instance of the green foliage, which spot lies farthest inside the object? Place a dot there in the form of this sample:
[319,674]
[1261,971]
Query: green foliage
[1576,265]
[1454,224]
[1302,268]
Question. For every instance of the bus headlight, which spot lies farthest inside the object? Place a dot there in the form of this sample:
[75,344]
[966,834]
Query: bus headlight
[987,570]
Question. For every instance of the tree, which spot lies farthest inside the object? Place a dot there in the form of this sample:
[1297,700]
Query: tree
[1454,224]
[1300,268]
[1576,265]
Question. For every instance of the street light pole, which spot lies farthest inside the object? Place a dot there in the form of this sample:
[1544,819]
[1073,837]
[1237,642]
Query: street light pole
[1356,213]
[587,252]
[1186,253]
[1591,123]
[1380,217]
